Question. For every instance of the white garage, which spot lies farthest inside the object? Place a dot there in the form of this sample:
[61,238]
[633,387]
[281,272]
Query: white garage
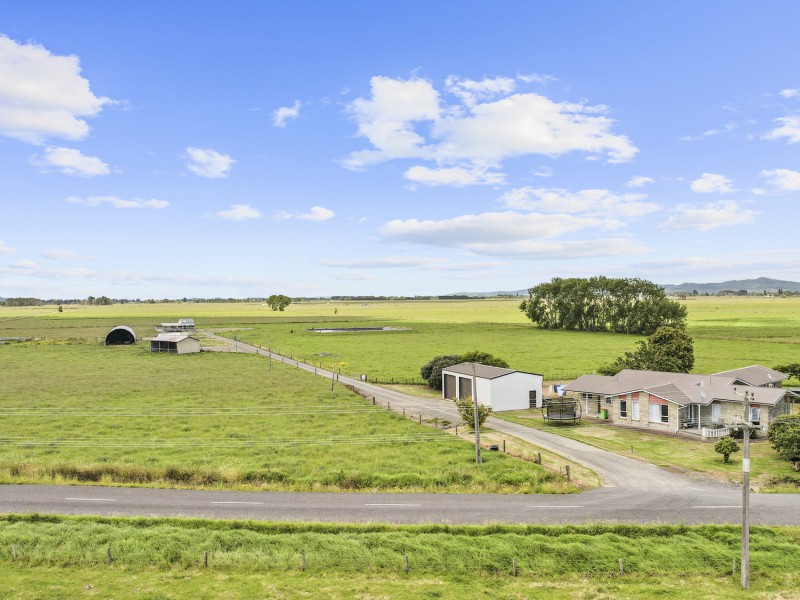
[501,389]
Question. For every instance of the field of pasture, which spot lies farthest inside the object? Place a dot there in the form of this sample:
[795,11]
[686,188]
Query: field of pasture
[66,557]
[82,412]
[729,332]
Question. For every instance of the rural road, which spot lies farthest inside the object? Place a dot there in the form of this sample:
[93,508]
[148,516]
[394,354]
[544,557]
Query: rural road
[632,491]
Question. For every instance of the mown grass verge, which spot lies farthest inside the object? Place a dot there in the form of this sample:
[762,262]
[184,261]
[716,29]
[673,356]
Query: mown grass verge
[442,559]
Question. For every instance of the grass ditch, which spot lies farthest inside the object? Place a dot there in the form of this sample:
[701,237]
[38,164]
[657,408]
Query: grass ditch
[565,557]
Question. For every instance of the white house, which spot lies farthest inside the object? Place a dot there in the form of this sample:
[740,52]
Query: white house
[175,343]
[501,389]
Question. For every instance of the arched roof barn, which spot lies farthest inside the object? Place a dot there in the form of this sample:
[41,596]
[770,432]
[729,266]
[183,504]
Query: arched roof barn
[121,334]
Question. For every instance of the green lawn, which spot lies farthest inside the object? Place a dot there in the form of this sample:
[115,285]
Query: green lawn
[84,412]
[670,450]
[66,557]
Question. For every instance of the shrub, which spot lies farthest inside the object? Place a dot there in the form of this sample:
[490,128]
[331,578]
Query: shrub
[784,437]
[726,446]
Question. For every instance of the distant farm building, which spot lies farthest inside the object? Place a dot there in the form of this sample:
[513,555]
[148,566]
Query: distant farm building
[180,326]
[501,389]
[120,335]
[175,343]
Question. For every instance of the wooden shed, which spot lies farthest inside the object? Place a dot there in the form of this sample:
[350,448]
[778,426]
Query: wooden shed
[174,343]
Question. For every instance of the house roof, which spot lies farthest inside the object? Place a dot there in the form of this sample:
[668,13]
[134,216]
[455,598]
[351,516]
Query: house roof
[680,388]
[171,337]
[481,371]
[754,375]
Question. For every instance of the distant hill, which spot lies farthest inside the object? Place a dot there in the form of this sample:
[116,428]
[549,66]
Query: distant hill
[751,285]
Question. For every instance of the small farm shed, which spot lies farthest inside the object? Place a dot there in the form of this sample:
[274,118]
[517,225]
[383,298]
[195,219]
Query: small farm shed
[501,389]
[176,343]
[121,334]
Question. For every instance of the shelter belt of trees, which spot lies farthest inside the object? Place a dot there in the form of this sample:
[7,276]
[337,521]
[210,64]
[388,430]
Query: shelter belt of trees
[602,304]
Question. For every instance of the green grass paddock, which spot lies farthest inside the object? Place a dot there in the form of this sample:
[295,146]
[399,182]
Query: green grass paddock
[76,412]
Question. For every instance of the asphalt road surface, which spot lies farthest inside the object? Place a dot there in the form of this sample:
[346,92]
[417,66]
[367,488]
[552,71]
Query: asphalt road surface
[632,491]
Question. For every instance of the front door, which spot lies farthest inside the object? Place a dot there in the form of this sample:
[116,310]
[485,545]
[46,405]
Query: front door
[716,413]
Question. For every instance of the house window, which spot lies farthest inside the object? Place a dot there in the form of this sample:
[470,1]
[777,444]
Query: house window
[635,410]
[623,409]
[716,413]
[755,416]
[659,413]
[608,400]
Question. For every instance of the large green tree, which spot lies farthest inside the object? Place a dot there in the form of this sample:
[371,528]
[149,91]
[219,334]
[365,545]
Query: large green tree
[792,370]
[602,304]
[278,302]
[667,349]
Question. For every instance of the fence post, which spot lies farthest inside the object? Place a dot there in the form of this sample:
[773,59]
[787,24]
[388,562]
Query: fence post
[14,553]
[621,568]
[303,561]
[205,558]
[406,564]
[420,419]
[504,446]
[108,554]
[568,478]
[515,567]
[538,458]
[734,567]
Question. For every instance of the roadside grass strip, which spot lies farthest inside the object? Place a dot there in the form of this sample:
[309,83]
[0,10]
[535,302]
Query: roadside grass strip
[570,556]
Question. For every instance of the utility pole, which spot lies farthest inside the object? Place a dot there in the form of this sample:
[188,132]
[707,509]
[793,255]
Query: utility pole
[748,397]
[475,413]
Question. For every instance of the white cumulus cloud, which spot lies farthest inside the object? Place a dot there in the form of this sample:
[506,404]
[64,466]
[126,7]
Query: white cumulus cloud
[789,93]
[476,127]
[118,202]
[4,249]
[710,216]
[592,202]
[317,213]
[455,176]
[789,129]
[43,95]
[783,179]
[639,181]
[239,212]
[712,182]
[284,113]
[206,162]
[71,162]
[24,265]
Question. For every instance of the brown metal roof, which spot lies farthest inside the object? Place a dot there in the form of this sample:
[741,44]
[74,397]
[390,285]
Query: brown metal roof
[680,388]
[754,375]
[481,371]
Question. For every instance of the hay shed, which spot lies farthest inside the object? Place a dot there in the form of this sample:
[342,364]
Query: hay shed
[121,334]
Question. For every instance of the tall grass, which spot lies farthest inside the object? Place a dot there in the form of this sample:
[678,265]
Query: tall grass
[657,550]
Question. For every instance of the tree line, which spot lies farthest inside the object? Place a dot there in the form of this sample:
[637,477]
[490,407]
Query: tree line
[621,305]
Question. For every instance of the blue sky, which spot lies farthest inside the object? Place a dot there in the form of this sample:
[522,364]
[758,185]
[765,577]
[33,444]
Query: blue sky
[198,149]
